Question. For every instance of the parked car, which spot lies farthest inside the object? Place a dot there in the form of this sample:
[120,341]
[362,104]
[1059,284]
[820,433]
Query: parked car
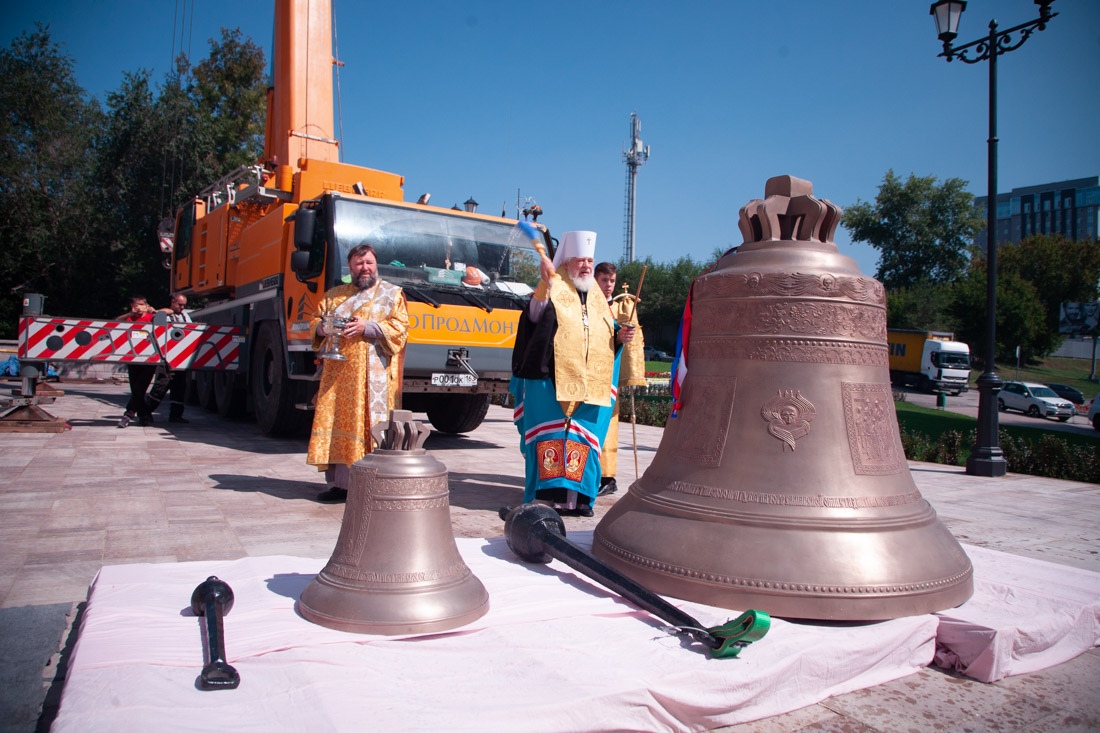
[1069,393]
[1094,412]
[652,354]
[1037,400]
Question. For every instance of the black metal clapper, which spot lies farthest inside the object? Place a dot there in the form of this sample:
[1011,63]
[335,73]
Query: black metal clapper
[536,534]
[213,598]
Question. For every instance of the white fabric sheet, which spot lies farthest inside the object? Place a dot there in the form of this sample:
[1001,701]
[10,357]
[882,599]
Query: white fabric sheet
[1025,615]
[555,652]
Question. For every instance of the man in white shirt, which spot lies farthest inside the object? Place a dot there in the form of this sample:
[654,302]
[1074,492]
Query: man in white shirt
[165,381]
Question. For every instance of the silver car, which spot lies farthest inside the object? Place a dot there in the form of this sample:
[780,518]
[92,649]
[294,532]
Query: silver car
[1037,400]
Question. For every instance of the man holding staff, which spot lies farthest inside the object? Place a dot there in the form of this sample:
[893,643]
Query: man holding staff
[624,309]
[565,367]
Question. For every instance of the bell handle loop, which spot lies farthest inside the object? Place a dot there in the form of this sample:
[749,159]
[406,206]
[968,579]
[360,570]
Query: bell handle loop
[400,432]
[378,432]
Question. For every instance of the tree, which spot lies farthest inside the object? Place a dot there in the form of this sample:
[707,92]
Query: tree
[230,103]
[664,292]
[923,306]
[82,191]
[1021,320]
[48,222]
[159,150]
[1062,270]
[922,230]
[129,169]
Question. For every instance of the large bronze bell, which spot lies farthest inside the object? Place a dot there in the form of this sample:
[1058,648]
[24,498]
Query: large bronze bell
[396,568]
[782,484]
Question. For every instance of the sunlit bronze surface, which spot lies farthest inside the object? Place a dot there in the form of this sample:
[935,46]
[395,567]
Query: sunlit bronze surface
[396,568]
[782,484]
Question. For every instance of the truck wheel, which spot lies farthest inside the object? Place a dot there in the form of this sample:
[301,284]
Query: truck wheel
[457,413]
[191,397]
[230,399]
[273,392]
[416,401]
[204,390]
[1033,411]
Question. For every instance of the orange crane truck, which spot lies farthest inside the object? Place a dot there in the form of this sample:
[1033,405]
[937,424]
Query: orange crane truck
[262,245]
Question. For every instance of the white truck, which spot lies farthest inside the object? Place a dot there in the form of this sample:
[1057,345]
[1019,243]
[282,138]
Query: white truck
[931,361]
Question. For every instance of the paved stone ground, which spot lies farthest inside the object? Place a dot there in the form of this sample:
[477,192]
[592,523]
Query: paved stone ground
[95,495]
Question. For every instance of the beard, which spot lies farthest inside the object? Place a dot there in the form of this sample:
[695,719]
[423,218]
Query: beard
[583,283]
[365,282]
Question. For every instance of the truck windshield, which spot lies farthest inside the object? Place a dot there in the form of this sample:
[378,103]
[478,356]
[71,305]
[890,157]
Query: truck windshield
[433,247]
[951,360]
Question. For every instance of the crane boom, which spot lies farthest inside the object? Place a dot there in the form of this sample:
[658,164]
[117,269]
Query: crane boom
[299,102]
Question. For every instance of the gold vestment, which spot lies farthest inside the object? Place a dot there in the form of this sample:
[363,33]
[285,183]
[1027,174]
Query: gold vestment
[359,392]
[631,374]
[584,355]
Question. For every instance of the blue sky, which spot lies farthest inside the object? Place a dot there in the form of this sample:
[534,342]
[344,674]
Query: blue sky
[483,98]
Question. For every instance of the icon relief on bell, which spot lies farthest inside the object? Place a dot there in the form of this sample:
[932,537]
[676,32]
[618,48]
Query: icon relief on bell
[789,415]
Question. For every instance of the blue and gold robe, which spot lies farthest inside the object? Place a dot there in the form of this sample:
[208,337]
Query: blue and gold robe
[565,380]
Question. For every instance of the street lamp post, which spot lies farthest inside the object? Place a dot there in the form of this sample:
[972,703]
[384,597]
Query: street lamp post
[986,457]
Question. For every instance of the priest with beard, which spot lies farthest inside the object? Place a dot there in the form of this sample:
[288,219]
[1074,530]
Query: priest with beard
[565,367]
[359,392]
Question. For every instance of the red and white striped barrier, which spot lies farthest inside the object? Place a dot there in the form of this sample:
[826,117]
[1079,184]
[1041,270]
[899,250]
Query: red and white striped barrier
[180,345]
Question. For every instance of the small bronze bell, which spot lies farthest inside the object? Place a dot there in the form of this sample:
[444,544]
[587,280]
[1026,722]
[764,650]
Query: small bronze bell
[782,484]
[396,568]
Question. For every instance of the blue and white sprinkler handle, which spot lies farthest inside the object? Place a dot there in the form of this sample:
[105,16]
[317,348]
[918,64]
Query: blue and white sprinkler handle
[546,267]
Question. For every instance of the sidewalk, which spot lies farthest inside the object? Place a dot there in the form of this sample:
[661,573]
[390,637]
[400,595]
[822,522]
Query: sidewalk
[96,495]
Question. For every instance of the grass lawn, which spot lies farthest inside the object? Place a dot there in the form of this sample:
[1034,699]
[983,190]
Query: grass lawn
[1059,370]
[933,423]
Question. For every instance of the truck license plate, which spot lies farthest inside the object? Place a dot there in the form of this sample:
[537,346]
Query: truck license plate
[454,380]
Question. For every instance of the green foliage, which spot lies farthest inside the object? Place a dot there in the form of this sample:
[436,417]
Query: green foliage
[922,230]
[49,239]
[946,437]
[1060,370]
[1050,456]
[1021,320]
[82,190]
[664,293]
[132,194]
[916,445]
[160,150]
[1062,270]
[931,422]
[647,410]
[229,96]
[949,447]
[923,306]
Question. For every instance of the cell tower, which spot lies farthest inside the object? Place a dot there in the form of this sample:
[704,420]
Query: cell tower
[635,156]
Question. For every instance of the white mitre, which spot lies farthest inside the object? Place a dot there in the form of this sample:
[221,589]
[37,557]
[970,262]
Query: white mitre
[575,244]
